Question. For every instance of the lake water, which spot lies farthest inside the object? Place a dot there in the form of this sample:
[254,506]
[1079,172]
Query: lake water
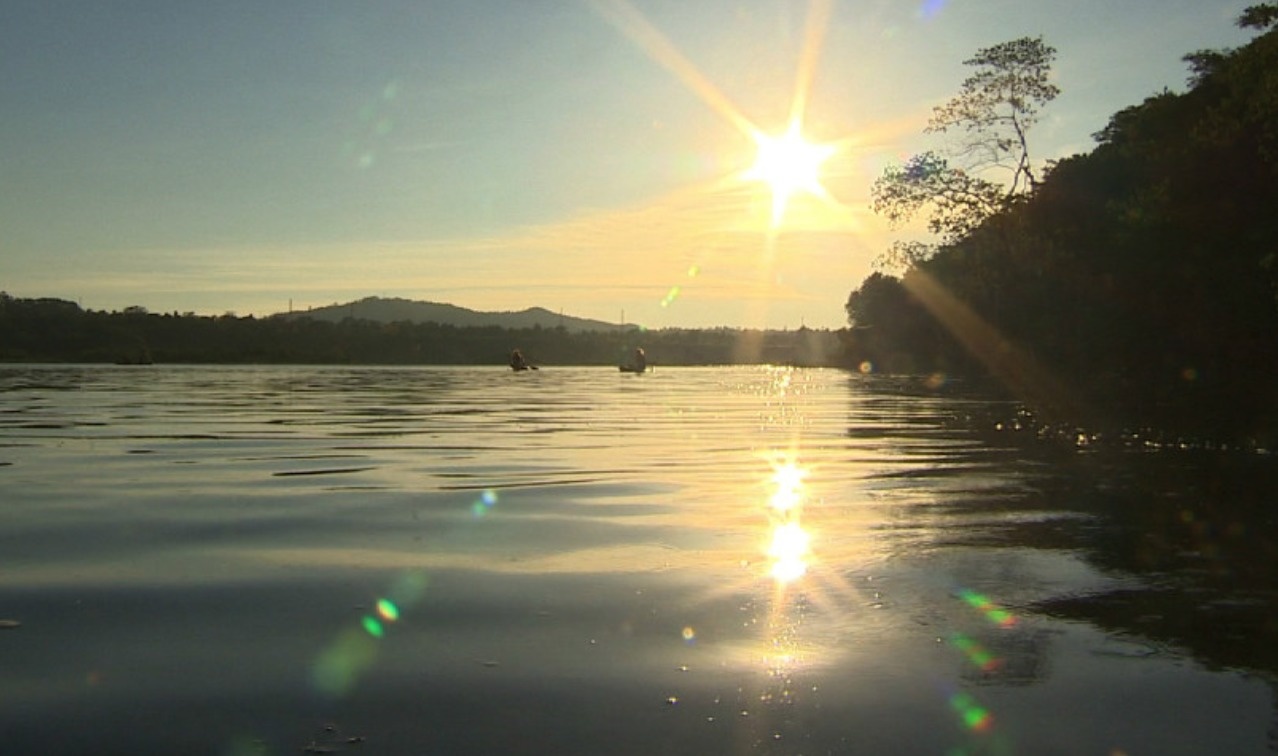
[279,560]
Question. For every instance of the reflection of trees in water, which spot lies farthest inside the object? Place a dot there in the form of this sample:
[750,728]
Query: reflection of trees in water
[1199,529]
[1185,540]
[1220,632]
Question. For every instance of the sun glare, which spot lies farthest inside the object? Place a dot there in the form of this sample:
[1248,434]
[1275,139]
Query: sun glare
[789,550]
[790,542]
[788,164]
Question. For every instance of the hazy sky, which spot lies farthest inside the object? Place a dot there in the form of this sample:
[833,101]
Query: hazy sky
[501,154]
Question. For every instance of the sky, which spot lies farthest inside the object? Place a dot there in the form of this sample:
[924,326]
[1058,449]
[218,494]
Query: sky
[586,156]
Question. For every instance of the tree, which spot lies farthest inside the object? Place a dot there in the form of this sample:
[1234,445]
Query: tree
[959,201]
[894,332]
[995,108]
[902,255]
[1138,281]
[997,105]
[1247,84]
[1260,16]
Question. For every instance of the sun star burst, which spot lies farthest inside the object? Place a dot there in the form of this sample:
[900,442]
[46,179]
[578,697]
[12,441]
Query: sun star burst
[789,165]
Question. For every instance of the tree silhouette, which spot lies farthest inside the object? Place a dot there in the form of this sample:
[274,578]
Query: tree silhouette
[1142,275]
[993,111]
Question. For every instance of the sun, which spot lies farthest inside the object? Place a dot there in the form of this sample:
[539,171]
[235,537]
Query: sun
[789,165]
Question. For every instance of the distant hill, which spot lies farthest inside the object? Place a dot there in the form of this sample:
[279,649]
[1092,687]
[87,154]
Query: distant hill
[380,310]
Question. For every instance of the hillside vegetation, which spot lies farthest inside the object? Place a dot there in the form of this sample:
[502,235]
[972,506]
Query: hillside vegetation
[55,330]
[1136,285]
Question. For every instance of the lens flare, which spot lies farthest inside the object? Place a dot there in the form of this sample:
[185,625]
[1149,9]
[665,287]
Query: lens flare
[375,122]
[993,612]
[973,716]
[341,664]
[676,290]
[930,9]
[976,653]
[486,501]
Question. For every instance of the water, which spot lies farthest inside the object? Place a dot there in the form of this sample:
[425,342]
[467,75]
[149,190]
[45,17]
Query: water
[275,560]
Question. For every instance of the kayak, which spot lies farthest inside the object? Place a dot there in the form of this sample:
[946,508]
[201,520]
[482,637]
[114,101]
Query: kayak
[630,369]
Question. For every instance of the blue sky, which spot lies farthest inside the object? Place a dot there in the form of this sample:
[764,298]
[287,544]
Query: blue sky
[576,155]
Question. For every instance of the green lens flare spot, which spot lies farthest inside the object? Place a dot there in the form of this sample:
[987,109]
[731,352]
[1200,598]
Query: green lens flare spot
[977,719]
[387,610]
[373,627]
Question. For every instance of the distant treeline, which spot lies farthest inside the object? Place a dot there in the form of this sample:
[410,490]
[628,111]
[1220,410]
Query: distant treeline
[1136,284]
[56,330]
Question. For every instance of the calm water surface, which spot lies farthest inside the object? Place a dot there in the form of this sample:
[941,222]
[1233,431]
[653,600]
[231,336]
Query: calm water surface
[574,561]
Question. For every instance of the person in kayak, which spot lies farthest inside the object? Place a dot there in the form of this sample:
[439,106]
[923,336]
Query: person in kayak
[638,364]
[517,361]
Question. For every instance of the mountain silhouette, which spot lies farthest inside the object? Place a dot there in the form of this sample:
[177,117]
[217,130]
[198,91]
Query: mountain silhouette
[382,310]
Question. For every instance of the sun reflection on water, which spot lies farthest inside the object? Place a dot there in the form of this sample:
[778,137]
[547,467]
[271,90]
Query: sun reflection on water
[780,651]
[788,549]
[790,543]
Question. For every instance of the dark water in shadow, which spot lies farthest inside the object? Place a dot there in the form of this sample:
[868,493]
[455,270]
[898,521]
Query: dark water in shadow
[471,561]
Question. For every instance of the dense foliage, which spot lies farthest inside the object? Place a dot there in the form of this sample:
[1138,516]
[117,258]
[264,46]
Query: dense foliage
[55,330]
[993,113]
[1135,284]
